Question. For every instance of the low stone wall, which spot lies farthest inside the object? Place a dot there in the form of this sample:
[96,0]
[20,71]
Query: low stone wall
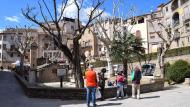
[78,93]
[187,81]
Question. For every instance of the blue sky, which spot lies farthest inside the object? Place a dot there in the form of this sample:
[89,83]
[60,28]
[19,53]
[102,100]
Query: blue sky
[10,10]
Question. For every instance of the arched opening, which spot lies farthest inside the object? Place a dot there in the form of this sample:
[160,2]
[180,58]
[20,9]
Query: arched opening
[174,5]
[175,19]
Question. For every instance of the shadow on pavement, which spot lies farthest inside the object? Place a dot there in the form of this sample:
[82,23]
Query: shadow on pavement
[150,97]
[109,104]
[116,99]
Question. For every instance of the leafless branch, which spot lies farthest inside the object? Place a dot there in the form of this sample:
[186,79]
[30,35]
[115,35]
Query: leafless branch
[64,4]
[48,10]
[157,32]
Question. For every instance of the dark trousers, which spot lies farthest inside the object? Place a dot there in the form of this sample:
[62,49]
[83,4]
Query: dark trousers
[102,92]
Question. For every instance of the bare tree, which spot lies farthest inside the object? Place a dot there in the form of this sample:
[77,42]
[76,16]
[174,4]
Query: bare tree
[23,38]
[106,29]
[58,36]
[167,36]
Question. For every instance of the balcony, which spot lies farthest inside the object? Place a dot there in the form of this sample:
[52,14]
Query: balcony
[86,47]
[11,50]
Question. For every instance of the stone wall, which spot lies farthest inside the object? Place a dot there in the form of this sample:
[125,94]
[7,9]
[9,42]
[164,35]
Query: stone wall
[168,59]
[34,91]
[48,74]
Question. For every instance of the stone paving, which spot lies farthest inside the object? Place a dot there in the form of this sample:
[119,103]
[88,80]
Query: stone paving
[11,95]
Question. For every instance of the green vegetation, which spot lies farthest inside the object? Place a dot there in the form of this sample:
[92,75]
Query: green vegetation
[178,71]
[99,63]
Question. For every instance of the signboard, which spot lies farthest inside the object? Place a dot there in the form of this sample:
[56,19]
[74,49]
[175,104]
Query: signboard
[61,72]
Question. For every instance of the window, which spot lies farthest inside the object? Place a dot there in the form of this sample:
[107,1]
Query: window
[12,37]
[45,54]
[11,55]
[187,27]
[19,38]
[166,9]
[105,48]
[141,20]
[152,37]
[4,38]
[188,39]
[46,45]
[26,57]
[20,33]
[50,54]
[72,28]
[100,49]
[0,37]
[4,46]
[0,46]
[0,55]
[12,47]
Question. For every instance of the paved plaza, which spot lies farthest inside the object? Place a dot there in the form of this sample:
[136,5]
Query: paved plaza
[11,95]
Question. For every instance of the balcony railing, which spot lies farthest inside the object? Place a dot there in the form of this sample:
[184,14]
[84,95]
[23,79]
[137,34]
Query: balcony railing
[86,46]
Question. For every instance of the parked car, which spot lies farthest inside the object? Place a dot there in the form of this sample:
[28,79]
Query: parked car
[148,69]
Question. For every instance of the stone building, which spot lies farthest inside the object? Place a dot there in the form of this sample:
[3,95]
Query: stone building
[138,26]
[8,44]
[176,15]
[89,44]
[47,48]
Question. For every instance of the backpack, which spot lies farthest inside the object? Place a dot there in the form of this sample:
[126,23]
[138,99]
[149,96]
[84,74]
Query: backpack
[133,75]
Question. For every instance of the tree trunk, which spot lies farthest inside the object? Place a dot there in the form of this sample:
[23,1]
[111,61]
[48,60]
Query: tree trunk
[109,62]
[125,67]
[22,65]
[162,65]
[77,67]
[161,58]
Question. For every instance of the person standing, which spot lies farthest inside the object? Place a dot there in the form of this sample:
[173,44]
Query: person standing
[101,82]
[91,84]
[136,82]
[120,81]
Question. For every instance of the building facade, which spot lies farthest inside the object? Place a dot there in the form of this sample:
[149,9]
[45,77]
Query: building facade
[9,39]
[47,48]
[175,15]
